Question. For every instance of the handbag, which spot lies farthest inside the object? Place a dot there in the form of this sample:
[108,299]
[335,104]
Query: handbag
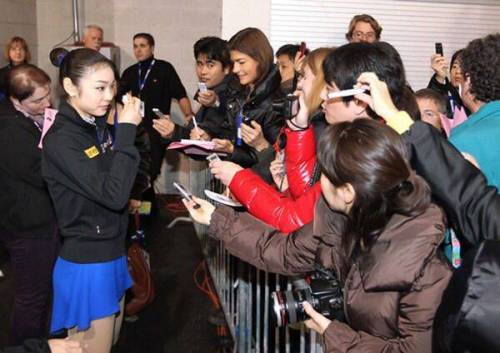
[143,289]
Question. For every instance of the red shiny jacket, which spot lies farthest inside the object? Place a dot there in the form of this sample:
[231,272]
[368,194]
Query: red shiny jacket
[281,211]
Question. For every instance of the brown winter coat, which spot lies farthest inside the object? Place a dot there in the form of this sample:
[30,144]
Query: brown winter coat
[391,292]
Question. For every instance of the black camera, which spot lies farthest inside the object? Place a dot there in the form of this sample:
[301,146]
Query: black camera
[324,293]
[287,107]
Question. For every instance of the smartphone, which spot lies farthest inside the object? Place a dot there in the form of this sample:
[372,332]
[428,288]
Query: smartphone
[213,157]
[202,86]
[158,113]
[186,194]
[439,48]
[302,48]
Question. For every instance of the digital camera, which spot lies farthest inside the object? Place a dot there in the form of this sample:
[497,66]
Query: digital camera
[287,107]
[324,293]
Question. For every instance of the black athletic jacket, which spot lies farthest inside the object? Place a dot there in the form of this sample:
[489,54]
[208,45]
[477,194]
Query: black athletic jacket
[89,184]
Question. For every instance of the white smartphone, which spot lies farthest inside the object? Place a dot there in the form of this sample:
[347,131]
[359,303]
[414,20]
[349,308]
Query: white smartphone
[202,86]
[186,194]
[213,157]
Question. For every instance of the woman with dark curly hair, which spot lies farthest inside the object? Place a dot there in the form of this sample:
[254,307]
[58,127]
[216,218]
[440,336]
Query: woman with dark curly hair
[478,136]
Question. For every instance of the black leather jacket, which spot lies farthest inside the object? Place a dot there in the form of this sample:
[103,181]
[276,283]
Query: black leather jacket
[257,107]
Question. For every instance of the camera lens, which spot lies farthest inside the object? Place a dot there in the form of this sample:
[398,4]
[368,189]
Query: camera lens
[287,306]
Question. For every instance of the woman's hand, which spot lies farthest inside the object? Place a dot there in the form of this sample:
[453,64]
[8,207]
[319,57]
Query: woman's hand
[253,136]
[223,145]
[301,120]
[199,134]
[277,169]
[317,322]
[131,112]
[207,98]
[440,67]
[298,62]
[165,127]
[62,345]
[224,171]
[379,98]
[202,214]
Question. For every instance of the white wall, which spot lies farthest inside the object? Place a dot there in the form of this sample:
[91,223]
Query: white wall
[238,14]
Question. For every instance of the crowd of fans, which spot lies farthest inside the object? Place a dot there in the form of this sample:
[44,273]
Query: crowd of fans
[370,183]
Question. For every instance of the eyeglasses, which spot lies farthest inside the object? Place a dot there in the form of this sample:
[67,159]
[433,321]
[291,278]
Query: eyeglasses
[361,35]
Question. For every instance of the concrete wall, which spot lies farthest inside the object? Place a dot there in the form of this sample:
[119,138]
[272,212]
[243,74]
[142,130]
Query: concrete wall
[238,14]
[18,18]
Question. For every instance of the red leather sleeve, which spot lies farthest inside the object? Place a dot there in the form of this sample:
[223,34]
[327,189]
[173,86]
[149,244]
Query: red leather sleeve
[272,207]
[300,158]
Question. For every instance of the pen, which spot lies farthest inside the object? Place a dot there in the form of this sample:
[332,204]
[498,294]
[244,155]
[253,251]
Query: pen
[196,126]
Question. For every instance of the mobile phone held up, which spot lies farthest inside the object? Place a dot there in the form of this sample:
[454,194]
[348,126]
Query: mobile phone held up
[202,86]
[186,194]
[439,48]
[158,113]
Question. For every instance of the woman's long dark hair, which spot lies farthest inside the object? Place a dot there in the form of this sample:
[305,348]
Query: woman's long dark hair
[373,159]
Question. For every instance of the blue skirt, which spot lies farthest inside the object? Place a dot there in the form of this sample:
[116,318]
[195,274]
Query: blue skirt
[87,292]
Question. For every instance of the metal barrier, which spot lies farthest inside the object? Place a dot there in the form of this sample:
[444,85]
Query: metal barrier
[244,293]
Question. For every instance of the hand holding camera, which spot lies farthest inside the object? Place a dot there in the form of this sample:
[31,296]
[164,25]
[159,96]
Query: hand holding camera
[131,112]
[379,98]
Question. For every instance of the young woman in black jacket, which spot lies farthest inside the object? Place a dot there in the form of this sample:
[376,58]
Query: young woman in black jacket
[250,102]
[90,175]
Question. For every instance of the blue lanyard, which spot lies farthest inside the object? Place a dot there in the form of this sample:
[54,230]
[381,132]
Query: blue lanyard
[106,138]
[143,81]
[239,121]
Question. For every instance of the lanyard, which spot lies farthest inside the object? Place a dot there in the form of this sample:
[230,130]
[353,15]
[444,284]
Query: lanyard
[239,121]
[107,136]
[142,82]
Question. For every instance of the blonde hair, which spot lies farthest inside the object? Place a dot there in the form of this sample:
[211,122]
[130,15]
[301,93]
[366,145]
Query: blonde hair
[315,61]
[17,40]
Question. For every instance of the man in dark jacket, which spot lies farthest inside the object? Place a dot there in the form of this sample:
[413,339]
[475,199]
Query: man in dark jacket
[155,82]
[27,225]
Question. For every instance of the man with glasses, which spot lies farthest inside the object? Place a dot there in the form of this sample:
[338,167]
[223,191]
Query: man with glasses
[363,28]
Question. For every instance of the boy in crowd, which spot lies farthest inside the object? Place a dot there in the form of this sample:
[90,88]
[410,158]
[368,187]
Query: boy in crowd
[431,105]
[285,59]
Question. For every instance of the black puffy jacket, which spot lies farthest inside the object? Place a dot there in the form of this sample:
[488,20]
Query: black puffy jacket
[469,316]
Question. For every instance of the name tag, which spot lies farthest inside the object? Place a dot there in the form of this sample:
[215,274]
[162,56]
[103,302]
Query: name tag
[92,152]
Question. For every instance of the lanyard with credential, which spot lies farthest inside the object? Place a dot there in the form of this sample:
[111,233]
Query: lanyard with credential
[142,82]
